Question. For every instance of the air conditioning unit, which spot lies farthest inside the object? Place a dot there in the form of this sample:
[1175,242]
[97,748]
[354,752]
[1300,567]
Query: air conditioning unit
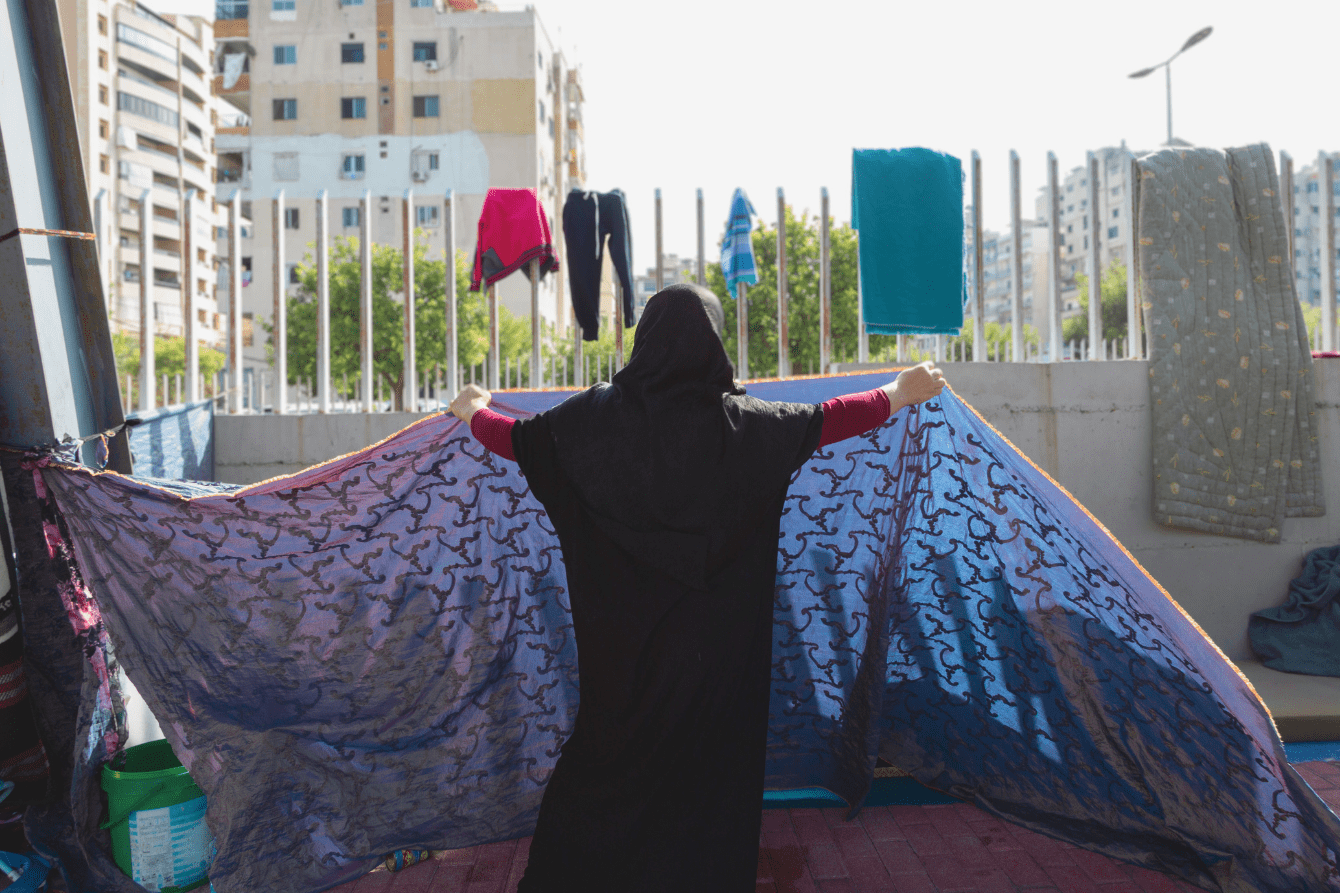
[418,176]
[430,64]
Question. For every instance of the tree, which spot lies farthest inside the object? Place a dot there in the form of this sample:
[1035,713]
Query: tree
[1112,287]
[997,340]
[169,359]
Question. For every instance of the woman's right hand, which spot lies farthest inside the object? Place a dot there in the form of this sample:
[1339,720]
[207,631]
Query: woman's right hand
[469,401]
[915,385]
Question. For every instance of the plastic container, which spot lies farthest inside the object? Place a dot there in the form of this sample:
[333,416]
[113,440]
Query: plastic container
[31,869]
[157,818]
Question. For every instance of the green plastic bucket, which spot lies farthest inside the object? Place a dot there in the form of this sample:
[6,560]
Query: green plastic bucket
[157,818]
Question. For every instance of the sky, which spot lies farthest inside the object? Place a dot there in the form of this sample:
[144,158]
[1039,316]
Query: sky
[724,94]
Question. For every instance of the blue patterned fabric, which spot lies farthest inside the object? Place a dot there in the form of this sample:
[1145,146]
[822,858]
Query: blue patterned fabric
[376,654]
[176,442]
[907,206]
[737,249]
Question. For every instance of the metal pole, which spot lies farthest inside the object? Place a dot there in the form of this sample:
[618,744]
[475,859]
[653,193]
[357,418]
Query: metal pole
[365,300]
[147,327]
[1054,262]
[742,330]
[536,366]
[1017,263]
[783,335]
[190,348]
[825,286]
[1286,202]
[322,302]
[617,360]
[280,319]
[862,335]
[494,360]
[1097,342]
[1325,173]
[1136,348]
[449,235]
[409,376]
[702,266]
[978,274]
[660,262]
[1167,70]
[234,301]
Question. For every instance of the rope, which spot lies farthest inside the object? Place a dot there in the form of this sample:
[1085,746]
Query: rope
[60,233]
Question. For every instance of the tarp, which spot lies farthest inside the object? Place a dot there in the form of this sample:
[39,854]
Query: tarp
[376,653]
[175,442]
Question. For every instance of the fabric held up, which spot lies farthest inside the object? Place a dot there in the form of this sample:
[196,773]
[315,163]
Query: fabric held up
[176,442]
[1303,634]
[737,247]
[377,653]
[513,230]
[589,219]
[1230,370]
[907,206]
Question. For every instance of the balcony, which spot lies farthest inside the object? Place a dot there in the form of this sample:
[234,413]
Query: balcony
[243,85]
[226,28]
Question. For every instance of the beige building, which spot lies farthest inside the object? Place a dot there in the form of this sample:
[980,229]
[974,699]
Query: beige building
[146,117]
[383,98]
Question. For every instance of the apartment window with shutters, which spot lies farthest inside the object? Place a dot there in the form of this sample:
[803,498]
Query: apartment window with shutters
[286,54]
[104,164]
[286,166]
[352,168]
[427,215]
[351,53]
[285,109]
[103,129]
[353,107]
[102,24]
[102,93]
[425,106]
[350,217]
[291,218]
[102,59]
[425,51]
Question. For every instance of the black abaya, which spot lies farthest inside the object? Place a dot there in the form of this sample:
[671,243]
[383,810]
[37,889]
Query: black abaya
[666,490]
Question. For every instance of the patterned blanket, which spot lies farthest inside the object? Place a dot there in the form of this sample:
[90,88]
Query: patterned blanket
[1230,378]
[376,653]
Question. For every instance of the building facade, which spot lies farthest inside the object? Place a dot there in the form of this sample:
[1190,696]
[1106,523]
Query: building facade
[675,270]
[393,98]
[146,117]
[1307,230]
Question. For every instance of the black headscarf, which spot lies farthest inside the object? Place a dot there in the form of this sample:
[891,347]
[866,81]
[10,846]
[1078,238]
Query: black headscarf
[673,460]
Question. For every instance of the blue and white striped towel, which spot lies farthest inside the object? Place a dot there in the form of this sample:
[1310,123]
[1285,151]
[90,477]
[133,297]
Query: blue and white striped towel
[737,251]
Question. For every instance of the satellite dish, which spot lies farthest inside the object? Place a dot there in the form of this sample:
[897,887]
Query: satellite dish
[1195,39]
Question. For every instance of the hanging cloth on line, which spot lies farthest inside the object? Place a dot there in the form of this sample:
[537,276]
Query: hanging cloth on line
[907,205]
[513,230]
[589,218]
[737,249]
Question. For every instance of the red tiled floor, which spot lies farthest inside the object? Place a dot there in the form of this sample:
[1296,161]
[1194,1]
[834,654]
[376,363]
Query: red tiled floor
[952,848]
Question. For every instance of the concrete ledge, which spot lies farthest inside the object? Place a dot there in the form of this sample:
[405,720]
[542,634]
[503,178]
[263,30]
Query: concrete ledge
[1305,708]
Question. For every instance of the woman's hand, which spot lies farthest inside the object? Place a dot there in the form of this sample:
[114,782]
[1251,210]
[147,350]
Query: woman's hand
[915,385]
[469,401]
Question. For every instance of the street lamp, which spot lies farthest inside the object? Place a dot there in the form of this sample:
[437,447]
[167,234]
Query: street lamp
[1167,69]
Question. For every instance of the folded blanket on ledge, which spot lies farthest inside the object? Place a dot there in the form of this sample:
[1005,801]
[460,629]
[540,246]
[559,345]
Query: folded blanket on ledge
[376,654]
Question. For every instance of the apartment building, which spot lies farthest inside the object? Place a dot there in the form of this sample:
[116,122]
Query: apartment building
[1307,230]
[395,98]
[146,117]
[675,270]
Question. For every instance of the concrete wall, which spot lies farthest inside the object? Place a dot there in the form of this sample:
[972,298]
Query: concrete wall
[1085,424]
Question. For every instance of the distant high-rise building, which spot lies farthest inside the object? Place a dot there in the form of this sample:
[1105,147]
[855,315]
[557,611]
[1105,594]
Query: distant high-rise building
[387,97]
[675,269]
[146,118]
[1307,233]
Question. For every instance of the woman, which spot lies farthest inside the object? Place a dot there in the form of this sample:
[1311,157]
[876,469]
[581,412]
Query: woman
[666,490]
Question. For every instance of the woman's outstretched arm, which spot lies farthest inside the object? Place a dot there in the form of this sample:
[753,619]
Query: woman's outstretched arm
[853,414]
[492,429]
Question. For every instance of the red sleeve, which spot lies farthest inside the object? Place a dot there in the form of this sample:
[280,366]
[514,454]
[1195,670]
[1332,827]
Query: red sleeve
[853,414]
[494,431]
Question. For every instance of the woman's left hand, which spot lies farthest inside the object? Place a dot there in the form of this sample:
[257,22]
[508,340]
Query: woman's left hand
[469,401]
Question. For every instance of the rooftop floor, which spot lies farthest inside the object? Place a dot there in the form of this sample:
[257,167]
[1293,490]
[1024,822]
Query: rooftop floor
[953,848]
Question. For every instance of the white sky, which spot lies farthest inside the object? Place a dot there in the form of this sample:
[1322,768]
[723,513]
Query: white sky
[724,93]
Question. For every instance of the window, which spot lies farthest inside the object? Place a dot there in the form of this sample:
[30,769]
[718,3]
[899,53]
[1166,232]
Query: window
[144,108]
[353,107]
[285,109]
[230,9]
[1112,232]
[104,164]
[351,52]
[137,38]
[541,111]
[102,24]
[248,327]
[432,161]
[286,54]
[421,4]
[286,166]
[103,130]
[353,167]
[291,218]
[1086,221]
[283,6]
[102,59]
[425,51]
[293,277]
[350,217]
[425,106]
[102,93]
[351,2]
[427,215]
[1116,212]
